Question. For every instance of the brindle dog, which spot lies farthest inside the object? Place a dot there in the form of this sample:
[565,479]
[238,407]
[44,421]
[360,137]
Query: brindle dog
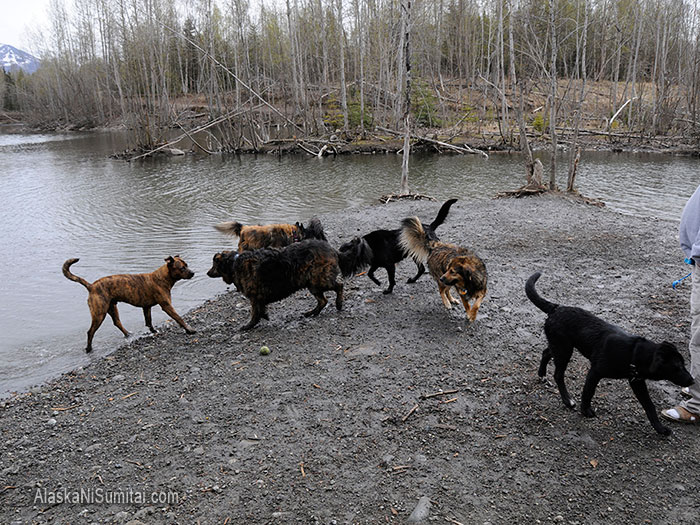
[449,264]
[271,235]
[144,289]
[269,275]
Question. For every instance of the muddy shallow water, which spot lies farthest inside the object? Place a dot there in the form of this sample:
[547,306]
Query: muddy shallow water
[323,430]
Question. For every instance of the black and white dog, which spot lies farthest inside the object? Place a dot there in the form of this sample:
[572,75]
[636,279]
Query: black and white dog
[381,249]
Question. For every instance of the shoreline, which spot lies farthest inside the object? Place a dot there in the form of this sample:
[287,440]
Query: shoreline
[323,430]
[382,143]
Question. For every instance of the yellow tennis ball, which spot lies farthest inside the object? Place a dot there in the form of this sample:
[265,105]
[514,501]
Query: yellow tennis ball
[264,350]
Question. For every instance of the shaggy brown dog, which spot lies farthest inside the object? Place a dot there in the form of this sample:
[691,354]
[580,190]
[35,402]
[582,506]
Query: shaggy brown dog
[271,235]
[144,289]
[268,275]
[449,264]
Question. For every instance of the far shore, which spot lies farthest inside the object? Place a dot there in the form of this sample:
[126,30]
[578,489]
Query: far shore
[375,141]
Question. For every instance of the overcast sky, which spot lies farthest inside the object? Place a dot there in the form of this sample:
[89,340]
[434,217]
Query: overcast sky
[16,16]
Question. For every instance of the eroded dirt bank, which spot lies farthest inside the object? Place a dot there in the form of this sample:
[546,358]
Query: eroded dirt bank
[319,431]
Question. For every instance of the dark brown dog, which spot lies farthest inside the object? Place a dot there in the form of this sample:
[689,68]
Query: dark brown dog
[144,289]
[271,235]
[449,264]
[268,275]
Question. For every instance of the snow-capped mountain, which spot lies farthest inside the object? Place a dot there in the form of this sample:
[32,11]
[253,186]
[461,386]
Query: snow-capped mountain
[13,59]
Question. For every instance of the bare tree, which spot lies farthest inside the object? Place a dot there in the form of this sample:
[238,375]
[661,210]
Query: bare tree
[575,151]
[341,52]
[406,25]
[553,96]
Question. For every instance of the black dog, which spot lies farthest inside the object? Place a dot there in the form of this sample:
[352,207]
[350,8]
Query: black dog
[381,249]
[270,274]
[613,353]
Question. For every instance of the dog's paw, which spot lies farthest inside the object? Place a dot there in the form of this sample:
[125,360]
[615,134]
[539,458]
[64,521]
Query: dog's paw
[664,431]
[191,331]
[588,412]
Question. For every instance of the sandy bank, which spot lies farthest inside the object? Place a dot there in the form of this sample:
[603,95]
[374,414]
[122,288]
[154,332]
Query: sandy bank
[319,431]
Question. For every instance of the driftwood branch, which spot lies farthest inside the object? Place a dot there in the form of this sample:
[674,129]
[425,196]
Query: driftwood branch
[459,149]
[440,393]
[620,110]
[189,136]
[385,199]
[219,120]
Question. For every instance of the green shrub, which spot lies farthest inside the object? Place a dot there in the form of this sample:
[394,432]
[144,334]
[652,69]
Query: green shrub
[424,105]
[538,123]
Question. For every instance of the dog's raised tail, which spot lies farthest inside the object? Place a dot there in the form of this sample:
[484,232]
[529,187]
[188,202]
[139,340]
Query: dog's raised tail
[535,298]
[442,214]
[315,230]
[414,240]
[71,276]
[230,227]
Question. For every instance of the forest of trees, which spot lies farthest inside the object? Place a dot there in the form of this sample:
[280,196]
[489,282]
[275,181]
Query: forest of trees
[311,67]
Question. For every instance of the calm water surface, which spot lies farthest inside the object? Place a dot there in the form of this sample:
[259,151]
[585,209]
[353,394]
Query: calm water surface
[62,196]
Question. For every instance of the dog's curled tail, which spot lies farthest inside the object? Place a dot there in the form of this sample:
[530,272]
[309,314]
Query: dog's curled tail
[442,214]
[535,298]
[414,240]
[230,227]
[315,230]
[72,277]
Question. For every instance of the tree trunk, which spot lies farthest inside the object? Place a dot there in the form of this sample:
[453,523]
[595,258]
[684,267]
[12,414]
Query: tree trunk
[341,45]
[406,16]
[575,150]
[553,95]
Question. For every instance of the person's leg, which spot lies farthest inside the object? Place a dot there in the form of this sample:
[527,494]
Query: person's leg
[692,404]
[688,411]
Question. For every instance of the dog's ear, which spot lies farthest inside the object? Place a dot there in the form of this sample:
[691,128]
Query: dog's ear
[664,353]
[364,251]
[666,347]
[466,274]
[170,259]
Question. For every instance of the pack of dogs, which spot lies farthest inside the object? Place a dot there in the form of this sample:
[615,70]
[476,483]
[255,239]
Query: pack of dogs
[274,261]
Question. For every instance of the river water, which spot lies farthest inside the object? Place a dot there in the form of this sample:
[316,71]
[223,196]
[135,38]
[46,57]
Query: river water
[62,196]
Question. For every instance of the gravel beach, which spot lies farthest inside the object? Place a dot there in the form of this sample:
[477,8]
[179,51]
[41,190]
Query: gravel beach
[393,410]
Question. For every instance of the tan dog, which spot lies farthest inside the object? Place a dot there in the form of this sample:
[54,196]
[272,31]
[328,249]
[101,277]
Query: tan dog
[449,264]
[271,235]
[144,289]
